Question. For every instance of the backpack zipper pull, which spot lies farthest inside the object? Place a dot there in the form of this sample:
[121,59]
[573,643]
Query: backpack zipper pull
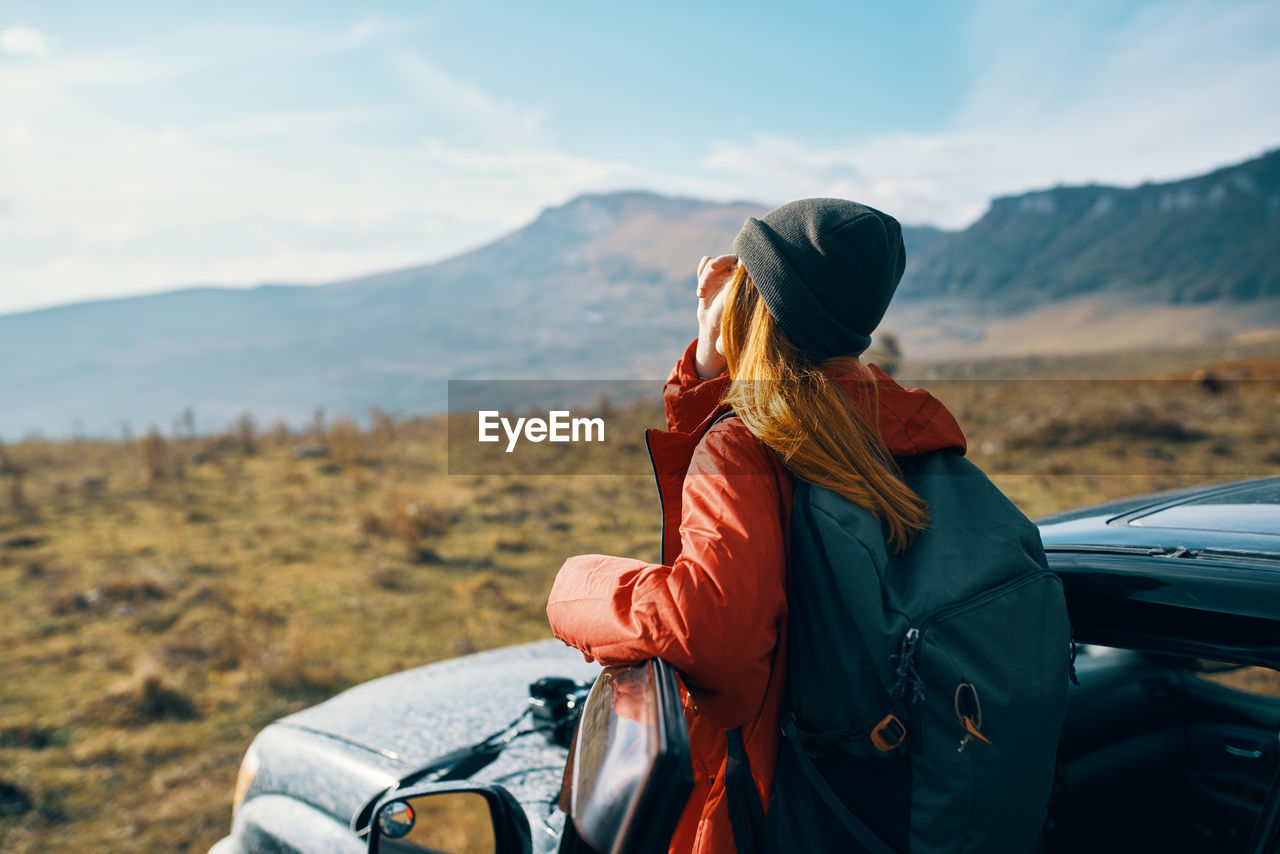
[907,675]
[971,732]
[971,724]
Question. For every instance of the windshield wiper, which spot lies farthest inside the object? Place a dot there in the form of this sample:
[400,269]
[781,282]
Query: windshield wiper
[1166,551]
[1150,551]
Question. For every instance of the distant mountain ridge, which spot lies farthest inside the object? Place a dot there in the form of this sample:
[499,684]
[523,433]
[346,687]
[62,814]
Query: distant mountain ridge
[1205,238]
[599,287]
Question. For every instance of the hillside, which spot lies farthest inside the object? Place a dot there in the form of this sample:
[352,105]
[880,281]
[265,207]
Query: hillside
[1206,238]
[598,287]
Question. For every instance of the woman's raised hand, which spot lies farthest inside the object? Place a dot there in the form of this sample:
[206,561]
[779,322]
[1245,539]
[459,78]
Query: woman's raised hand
[713,275]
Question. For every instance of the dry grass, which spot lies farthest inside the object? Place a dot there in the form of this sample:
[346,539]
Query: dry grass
[161,600]
[151,623]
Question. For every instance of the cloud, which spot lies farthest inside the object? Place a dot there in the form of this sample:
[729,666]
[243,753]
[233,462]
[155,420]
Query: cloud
[919,178]
[23,41]
[1174,90]
[487,120]
[290,125]
[106,205]
[367,29]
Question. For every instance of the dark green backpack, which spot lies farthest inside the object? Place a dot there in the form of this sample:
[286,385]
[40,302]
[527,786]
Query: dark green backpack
[926,689]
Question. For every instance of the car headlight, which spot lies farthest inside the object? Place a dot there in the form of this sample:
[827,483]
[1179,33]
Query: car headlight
[244,777]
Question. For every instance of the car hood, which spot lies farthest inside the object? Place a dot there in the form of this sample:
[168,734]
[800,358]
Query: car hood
[416,715]
[334,758]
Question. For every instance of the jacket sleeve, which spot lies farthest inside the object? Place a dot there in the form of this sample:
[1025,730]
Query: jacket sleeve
[687,398]
[715,614]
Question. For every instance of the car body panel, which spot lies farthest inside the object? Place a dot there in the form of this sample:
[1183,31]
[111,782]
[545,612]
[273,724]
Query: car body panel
[334,757]
[1210,593]
[416,715]
[328,774]
[1126,523]
[278,824]
[1132,504]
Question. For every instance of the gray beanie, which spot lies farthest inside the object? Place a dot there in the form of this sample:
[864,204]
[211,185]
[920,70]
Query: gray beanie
[826,269]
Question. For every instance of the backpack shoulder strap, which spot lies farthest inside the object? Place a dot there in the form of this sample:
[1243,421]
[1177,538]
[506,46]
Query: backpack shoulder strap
[728,413]
[856,827]
[746,813]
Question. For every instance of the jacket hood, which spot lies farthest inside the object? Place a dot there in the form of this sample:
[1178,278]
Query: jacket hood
[912,421]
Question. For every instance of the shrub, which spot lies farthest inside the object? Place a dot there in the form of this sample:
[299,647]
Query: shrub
[372,524]
[148,695]
[301,664]
[246,435]
[155,456]
[382,428]
[419,524]
[13,800]
[345,442]
[390,578]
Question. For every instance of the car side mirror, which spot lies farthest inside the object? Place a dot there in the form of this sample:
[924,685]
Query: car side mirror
[632,776]
[449,818]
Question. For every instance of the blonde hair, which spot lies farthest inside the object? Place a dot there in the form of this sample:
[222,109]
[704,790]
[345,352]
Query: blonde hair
[821,435]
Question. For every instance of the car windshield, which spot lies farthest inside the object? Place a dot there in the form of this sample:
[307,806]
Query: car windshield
[1250,510]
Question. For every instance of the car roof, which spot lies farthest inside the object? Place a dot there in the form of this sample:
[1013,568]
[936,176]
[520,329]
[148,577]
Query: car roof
[1241,517]
[1191,571]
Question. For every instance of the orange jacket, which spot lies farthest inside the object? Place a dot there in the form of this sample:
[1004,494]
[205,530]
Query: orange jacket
[715,608]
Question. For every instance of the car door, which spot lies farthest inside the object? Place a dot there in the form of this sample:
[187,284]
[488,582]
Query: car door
[1179,746]
[1232,753]
[631,769]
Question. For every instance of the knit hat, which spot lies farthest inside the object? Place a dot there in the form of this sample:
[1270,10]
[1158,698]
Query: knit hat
[826,269]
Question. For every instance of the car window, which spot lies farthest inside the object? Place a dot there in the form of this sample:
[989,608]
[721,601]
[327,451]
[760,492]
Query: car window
[1262,681]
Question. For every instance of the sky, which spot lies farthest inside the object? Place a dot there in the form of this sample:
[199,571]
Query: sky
[146,146]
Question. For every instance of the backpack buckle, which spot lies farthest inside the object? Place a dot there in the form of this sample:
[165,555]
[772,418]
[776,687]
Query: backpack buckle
[888,734]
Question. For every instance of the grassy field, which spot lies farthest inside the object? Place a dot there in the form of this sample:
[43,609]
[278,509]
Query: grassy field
[161,599]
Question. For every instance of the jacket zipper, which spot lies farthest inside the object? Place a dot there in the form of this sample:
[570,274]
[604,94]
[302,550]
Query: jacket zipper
[909,684]
[662,542]
[662,536]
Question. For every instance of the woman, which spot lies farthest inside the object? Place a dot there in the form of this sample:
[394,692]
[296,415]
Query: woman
[780,326]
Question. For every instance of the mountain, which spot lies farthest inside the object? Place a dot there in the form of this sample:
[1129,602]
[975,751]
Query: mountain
[599,287]
[602,287]
[1202,239]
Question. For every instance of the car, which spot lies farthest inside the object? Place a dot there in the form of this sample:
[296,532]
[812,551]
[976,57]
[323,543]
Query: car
[1174,599]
